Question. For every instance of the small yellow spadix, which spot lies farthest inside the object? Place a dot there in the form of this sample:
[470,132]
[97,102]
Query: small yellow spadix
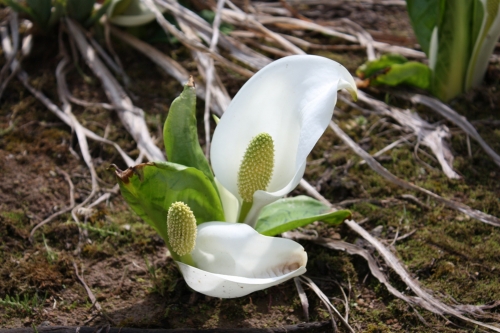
[257,166]
[181,228]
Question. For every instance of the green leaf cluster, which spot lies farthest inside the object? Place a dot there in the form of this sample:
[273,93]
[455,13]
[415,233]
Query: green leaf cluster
[46,13]
[458,37]
[393,70]
[151,188]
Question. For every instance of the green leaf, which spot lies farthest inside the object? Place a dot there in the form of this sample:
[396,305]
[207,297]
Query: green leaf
[290,213]
[56,13]
[411,73]
[150,189]
[98,14]
[18,7]
[41,11]
[454,49]
[79,10]
[370,68]
[424,16]
[180,133]
[394,69]
[118,7]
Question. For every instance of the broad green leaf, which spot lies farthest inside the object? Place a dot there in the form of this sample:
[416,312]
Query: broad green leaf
[290,213]
[394,69]
[411,73]
[41,11]
[150,189]
[18,7]
[79,10]
[180,133]
[374,67]
[424,16]
[454,49]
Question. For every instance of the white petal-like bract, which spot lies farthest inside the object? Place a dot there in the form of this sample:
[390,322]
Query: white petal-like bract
[292,99]
[136,14]
[234,260]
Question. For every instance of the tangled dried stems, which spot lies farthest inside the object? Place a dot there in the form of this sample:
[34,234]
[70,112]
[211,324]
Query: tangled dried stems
[254,21]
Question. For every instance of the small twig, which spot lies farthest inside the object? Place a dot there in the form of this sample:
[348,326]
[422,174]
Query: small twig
[5,77]
[210,75]
[237,50]
[313,192]
[116,64]
[239,18]
[405,235]
[365,39]
[91,296]
[414,199]
[109,45]
[105,196]
[399,225]
[327,302]
[346,299]
[303,297]
[192,44]
[63,211]
[389,147]
[308,45]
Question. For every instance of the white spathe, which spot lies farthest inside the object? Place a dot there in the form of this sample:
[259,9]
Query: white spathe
[292,99]
[135,14]
[234,260]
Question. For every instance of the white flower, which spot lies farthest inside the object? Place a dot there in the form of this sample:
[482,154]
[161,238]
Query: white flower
[290,101]
[130,13]
[233,260]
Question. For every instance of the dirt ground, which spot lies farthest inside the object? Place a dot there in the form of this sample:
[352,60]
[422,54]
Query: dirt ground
[124,261]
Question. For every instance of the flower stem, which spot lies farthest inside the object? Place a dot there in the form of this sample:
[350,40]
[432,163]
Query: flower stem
[245,208]
[187,259]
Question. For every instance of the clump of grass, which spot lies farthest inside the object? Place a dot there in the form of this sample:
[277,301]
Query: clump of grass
[162,283]
[28,305]
[51,254]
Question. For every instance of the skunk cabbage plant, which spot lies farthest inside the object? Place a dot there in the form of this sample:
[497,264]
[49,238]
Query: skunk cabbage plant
[458,37]
[219,226]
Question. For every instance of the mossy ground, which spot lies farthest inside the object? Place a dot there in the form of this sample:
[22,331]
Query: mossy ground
[123,260]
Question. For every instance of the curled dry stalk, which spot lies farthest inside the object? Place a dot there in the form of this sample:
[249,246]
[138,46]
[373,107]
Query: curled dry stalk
[72,204]
[192,44]
[329,306]
[377,167]
[210,73]
[174,69]
[450,114]
[67,116]
[429,135]
[131,117]
[62,87]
